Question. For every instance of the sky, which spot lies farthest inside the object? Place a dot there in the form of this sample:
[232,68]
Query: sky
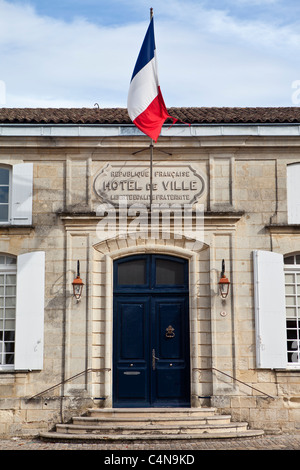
[76,53]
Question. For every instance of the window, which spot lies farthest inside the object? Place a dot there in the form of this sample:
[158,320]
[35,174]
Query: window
[132,272]
[292,302]
[8,275]
[4,194]
[169,272]
[16,184]
[151,271]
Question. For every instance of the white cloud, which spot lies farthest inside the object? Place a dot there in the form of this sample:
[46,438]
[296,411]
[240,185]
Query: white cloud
[205,57]
[71,62]
[225,61]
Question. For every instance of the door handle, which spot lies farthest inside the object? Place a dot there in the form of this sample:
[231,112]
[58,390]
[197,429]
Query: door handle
[154,358]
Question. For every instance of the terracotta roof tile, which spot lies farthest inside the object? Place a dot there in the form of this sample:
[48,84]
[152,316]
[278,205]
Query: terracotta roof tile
[190,115]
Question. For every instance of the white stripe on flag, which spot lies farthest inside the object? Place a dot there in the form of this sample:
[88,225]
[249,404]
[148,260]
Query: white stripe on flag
[143,89]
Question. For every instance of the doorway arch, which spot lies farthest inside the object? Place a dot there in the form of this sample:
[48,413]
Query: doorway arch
[114,249]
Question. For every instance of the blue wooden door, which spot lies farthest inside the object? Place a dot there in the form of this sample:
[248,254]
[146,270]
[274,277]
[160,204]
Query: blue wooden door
[151,365]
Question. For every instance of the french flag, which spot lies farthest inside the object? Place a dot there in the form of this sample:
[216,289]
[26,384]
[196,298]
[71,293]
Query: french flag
[145,104]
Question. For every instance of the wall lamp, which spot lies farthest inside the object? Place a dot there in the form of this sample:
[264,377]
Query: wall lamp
[77,285]
[224,283]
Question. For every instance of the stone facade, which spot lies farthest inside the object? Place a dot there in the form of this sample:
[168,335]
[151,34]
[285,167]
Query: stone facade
[245,208]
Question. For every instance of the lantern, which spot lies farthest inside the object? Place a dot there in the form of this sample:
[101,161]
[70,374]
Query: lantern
[224,283]
[77,285]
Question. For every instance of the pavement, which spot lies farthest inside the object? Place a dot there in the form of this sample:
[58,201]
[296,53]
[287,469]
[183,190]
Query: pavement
[266,442]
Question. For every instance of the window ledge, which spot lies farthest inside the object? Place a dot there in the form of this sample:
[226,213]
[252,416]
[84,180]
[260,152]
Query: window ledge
[10,370]
[16,228]
[283,228]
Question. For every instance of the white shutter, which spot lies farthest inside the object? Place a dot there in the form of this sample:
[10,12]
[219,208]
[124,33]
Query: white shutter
[21,204]
[293,193]
[270,318]
[30,311]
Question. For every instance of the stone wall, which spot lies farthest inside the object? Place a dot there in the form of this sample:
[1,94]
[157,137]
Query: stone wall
[246,192]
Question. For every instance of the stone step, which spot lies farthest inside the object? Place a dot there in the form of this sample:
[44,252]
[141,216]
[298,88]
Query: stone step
[112,421]
[150,424]
[151,429]
[64,437]
[151,412]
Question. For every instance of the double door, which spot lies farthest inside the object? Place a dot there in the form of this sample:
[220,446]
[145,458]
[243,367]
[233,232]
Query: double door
[151,366]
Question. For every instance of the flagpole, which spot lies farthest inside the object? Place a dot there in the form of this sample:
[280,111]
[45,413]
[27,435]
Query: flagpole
[151,147]
[151,172]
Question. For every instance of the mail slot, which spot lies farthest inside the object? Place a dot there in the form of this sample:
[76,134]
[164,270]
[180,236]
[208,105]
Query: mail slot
[132,373]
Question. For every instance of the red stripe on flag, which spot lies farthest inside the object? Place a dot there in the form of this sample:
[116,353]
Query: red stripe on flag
[151,120]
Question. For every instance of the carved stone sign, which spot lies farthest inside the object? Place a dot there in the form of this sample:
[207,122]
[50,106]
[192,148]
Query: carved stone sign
[171,183]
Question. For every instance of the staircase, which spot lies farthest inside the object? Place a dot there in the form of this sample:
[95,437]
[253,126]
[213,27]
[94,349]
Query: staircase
[128,424]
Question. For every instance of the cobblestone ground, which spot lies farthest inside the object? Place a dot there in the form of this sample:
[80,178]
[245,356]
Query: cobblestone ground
[269,442]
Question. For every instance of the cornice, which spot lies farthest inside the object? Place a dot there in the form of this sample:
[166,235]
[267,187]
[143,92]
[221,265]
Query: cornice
[89,220]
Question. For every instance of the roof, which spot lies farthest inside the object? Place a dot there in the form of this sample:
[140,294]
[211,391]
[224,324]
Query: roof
[202,115]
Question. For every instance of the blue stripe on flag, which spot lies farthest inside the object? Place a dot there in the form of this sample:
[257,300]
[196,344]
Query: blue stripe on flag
[147,50]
